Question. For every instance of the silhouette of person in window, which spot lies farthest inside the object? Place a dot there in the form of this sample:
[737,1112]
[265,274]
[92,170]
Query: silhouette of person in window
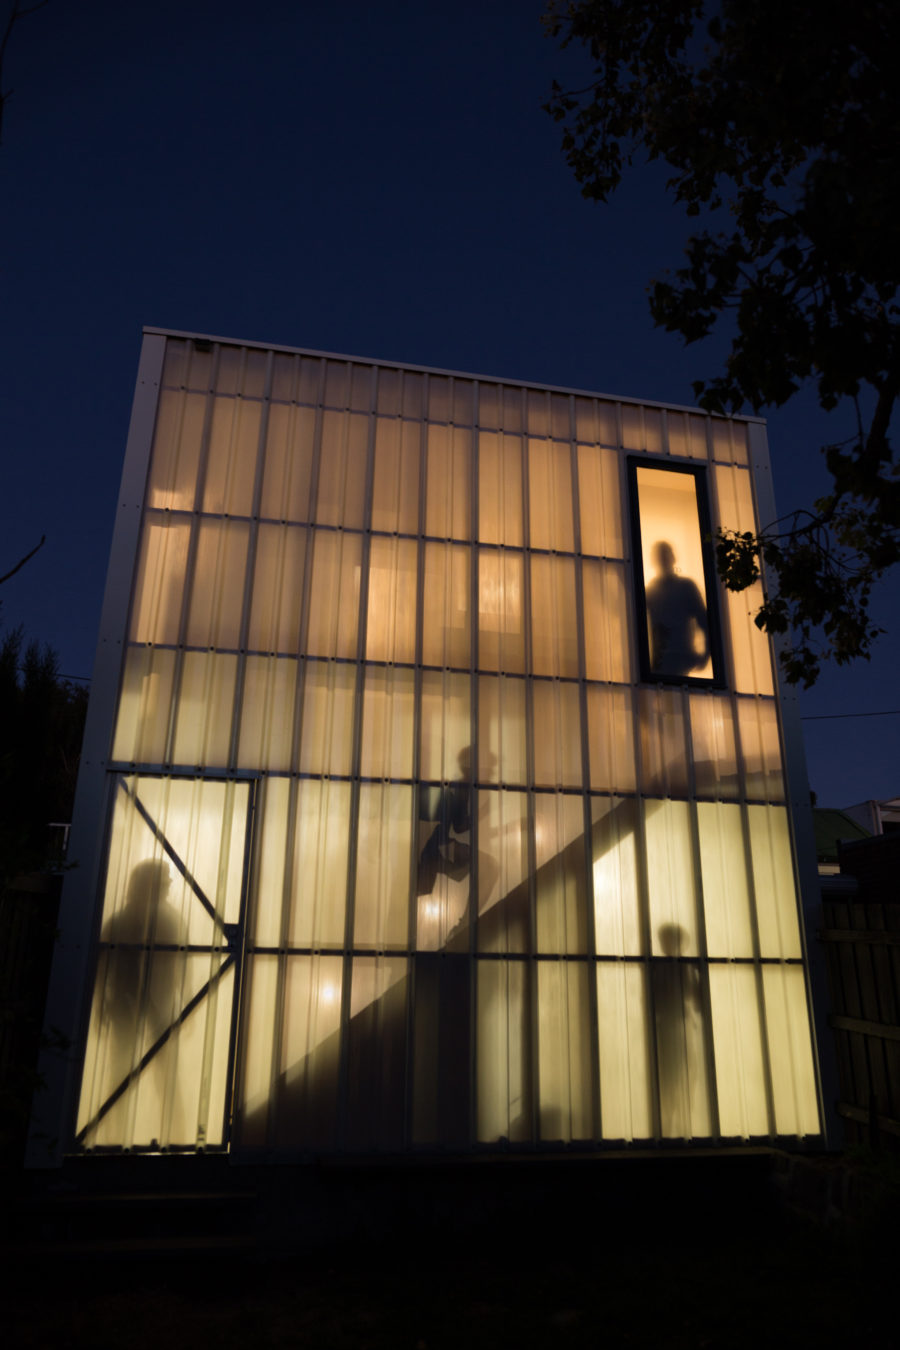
[677,618]
[679,1033]
[445,852]
[140,987]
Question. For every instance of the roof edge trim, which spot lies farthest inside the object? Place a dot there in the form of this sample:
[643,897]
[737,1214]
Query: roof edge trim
[455,374]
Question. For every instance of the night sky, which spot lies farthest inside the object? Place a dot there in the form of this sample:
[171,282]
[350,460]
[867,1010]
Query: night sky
[374,179]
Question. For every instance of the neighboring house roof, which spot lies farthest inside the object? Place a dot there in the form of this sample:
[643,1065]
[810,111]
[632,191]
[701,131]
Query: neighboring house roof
[831,825]
[878,817]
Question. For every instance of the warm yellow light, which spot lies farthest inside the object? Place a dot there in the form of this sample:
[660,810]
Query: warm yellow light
[391,660]
[672,560]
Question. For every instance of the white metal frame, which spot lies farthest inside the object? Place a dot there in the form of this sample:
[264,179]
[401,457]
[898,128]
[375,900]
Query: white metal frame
[54,1103]
[801,823]
[68,1000]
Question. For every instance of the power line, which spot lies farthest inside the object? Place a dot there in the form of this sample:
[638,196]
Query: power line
[58,675]
[829,717]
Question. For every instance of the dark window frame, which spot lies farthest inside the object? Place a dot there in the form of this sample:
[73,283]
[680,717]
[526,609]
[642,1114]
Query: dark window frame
[713,614]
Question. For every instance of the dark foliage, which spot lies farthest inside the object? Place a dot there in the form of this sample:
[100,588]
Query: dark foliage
[781,125]
[41,726]
[42,721]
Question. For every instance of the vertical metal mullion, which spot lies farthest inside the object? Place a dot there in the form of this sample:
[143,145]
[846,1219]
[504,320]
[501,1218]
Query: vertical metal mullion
[640,831]
[648,960]
[700,920]
[69,992]
[113,781]
[308,560]
[530,955]
[240,680]
[294,790]
[633,618]
[762,502]
[353,843]
[191,560]
[588,852]
[212,998]
[806,882]
[754,926]
[412,931]
[729,671]
[238,997]
[474,774]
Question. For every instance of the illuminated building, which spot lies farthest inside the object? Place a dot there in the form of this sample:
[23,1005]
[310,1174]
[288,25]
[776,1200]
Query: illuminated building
[434,792]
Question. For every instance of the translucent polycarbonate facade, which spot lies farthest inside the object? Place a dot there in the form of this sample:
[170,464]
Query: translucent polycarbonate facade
[407,846]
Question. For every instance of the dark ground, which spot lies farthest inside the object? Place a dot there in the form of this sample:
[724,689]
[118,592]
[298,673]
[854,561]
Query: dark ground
[799,1293]
[674,1253]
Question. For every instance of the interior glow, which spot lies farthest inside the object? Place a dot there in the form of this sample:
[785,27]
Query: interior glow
[564,1061]
[554,635]
[501,631]
[750,646]
[500,518]
[672,560]
[606,645]
[617,910]
[550,494]
[278,577]
[386,771]
[610,739]
[600,493]
[156,1067]
[713,743]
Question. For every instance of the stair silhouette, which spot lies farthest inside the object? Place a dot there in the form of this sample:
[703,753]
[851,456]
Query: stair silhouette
[312,1110]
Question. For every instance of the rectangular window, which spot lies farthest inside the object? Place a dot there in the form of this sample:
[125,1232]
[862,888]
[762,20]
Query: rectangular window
[678,634]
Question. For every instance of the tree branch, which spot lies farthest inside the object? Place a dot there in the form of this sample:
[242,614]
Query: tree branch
[15,13]
[22,561]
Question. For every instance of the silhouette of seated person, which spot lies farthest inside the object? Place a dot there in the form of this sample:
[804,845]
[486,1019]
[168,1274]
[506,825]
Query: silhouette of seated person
[141,986]
[679,628]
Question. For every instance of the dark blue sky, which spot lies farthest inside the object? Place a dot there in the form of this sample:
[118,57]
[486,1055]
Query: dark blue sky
[373,179]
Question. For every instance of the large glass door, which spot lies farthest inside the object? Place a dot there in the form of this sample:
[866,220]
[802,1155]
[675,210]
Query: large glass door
[160,1045]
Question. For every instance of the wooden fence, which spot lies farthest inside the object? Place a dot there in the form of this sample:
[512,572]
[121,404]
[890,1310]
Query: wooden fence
[862,941]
